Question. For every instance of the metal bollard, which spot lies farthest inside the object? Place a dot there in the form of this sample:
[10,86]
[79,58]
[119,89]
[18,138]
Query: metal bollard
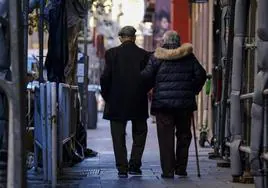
[43,110]
[3,168]
[54,133]
[265,142]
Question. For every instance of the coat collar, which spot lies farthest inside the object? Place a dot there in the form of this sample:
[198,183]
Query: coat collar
[128,42]
[172,54]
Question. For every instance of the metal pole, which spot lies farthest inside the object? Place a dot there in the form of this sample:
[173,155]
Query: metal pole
[257,109]
[236,126]
[16,158]
[205,29]
[193,25]
[41,40]
[54,133]
[227,65]
[217,80]
[85,86]
[48,128]
[210,60]
[25,25]
[196,149]
[4,67]
[199,56]
[43,113]
[265,142]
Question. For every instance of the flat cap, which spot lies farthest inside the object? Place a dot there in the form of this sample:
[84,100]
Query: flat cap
[128,31]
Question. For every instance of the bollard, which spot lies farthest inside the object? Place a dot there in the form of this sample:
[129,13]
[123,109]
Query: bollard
[3,168]
[54,133]
[92,108]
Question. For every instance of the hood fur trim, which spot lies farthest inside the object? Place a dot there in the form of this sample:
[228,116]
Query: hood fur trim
[172,54]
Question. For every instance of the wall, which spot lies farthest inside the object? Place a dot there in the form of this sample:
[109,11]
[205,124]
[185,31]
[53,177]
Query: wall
[162,21]
[181,19]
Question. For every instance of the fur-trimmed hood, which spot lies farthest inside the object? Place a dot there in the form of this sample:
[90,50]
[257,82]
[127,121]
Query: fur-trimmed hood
[172,54]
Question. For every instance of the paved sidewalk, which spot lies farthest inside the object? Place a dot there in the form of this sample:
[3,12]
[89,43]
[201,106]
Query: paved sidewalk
[100,140]
[100,172]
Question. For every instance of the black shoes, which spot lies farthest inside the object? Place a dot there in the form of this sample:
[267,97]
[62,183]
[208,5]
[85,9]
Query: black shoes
[122,174]
[135,171]
[168,176]
[181,173]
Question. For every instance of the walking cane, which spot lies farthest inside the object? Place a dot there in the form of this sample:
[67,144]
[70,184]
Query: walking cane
[196,149]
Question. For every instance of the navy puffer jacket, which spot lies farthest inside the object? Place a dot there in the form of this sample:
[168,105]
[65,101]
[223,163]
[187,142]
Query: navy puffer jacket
[176,77]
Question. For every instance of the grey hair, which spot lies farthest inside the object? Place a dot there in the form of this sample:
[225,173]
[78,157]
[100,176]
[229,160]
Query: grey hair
[171,37]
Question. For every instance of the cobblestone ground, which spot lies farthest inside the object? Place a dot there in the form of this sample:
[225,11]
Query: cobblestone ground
[100,172]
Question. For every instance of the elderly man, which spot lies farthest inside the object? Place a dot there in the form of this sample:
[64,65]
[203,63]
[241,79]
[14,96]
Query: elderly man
[126,99]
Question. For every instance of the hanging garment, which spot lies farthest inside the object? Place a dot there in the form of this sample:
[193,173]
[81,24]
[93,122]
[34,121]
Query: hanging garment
[76,10]
[4,49]
[71,66]
[57,55]
[5,74]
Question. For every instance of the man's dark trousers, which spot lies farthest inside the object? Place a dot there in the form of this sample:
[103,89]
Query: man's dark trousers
[139,133]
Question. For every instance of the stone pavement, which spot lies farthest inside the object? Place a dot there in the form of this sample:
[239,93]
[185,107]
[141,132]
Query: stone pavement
[100,172]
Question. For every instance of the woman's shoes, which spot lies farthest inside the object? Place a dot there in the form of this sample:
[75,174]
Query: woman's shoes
[135,171]
[167,176]
[181,173]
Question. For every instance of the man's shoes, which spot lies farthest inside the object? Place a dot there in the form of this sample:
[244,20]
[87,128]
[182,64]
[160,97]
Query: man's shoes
[181,173]
[135,171]
[168,176]
[122,174]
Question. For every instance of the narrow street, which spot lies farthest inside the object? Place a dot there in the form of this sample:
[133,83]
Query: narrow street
[100,172]
[62,49]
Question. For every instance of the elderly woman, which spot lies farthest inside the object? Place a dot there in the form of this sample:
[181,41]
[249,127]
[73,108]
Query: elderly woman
[177,77]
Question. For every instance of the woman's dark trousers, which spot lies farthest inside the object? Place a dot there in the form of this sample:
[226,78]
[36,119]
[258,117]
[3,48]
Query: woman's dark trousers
[169,124]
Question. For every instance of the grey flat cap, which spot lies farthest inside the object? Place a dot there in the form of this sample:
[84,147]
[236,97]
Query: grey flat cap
[128,31]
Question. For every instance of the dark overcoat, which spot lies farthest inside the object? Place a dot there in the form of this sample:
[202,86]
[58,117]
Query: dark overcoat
[121,84]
